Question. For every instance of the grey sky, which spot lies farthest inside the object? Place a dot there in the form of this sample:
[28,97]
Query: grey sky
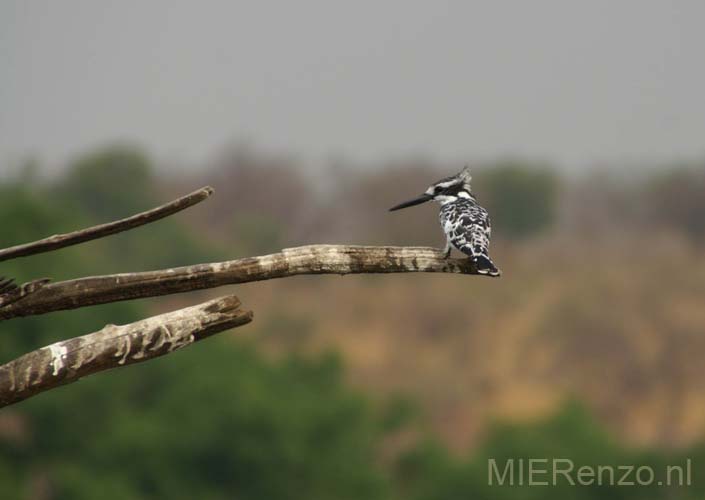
[573,82]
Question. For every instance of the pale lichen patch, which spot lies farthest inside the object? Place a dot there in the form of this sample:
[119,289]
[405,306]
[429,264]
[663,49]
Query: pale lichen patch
[124,346]
[58,357]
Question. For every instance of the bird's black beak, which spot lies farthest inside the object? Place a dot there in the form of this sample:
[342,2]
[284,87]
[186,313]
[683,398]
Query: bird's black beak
[416,201]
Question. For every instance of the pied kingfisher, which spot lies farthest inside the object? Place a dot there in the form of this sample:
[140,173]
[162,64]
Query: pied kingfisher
[465,223]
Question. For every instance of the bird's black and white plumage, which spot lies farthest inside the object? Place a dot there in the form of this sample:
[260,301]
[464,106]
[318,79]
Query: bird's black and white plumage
[465,223]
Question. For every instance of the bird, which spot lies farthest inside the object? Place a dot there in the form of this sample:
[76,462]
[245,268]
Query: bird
[465,223]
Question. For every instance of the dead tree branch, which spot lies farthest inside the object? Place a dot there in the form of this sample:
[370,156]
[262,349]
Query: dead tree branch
[114,346]
[66,361]
[311,259]
[16,293]
[64,240]
[7,285]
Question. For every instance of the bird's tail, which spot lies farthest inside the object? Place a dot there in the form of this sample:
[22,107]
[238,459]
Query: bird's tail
[486,266]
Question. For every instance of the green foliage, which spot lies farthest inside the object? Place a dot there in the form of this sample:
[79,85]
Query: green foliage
[522,198]
[255,234]
[430,473]
[218,421]
[25,216]
[117,182]
[109,183]
[214,421]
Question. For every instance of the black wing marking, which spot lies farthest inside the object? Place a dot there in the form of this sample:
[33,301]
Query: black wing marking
[467,226]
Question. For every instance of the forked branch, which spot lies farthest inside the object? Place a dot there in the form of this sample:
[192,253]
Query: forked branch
[7,285]
[311,259]
[114,346]
[14,293]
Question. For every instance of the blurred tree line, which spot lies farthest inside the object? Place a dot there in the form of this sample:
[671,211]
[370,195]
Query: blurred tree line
[268,201]
[219,420]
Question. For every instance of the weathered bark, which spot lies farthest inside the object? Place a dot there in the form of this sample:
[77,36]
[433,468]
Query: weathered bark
[66,361]
[114,346]
[64,240]
[16,293]
[312,259]
[7,285]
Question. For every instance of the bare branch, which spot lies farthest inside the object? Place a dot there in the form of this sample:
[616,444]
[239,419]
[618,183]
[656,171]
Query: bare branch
[6,285]
[15,293]
[64,240]
[312,259]
[114,346]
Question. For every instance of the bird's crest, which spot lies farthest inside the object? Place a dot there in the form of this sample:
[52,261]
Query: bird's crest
[465,175]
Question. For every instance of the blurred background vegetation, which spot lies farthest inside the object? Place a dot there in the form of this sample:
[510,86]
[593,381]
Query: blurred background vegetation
[589,347]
